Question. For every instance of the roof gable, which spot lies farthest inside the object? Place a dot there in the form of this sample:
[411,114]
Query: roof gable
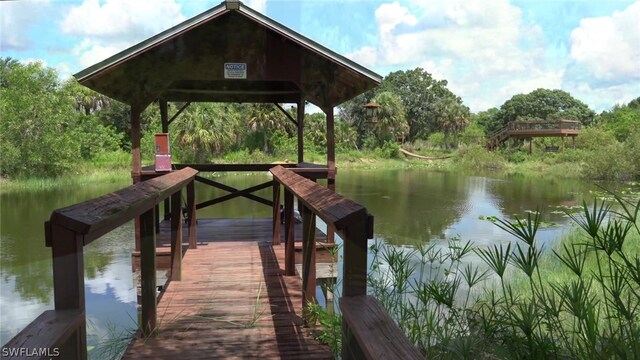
[186,63]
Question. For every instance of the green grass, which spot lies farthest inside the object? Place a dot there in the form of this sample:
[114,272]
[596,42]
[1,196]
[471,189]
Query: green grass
[105,168]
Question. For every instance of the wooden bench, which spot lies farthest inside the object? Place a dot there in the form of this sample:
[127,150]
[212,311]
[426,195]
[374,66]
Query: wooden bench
[372,332]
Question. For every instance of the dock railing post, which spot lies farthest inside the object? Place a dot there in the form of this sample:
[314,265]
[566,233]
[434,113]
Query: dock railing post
[276,212]
[176,236]
[191,214]
[289,235]
[308,257]
[68,285]
[354,282]
[148,272]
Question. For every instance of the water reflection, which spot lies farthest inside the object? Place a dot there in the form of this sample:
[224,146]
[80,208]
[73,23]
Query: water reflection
[26,289]
[409,206]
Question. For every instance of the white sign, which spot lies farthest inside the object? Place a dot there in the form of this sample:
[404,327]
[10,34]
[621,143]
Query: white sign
[235,71]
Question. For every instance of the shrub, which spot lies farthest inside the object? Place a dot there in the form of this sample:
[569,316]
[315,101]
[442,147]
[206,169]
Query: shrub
[436,140]
[594,138]
[477,157]
[612,162]
[389,150]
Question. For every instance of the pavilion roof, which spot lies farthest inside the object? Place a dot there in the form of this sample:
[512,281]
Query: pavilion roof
[187,63]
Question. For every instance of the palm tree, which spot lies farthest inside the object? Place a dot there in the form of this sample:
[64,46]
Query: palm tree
[391,122]
[265,118]
[204,128]
[452,117]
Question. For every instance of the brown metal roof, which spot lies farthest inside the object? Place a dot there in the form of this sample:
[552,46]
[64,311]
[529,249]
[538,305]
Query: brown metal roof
[186,63]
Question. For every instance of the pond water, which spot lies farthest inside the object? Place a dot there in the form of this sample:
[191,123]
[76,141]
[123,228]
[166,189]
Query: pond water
[409,206]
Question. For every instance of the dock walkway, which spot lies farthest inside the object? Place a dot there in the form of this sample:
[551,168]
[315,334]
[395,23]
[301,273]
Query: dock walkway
[233,301]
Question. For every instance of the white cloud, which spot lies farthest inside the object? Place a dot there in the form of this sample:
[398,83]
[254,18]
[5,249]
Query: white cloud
[16,17]
[475,45]
[113,25]
[258,5]
[609,47]
[121,19]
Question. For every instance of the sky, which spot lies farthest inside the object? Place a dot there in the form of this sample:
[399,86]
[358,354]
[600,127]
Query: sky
[487,50]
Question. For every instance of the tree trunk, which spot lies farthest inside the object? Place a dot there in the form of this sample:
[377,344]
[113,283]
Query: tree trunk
[265,147]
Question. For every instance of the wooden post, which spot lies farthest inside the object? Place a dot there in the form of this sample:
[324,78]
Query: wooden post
[331,164]
[289,235]
[148,273]
[300,131]
[354,280]
[574,142]
[164,119]
[68,284]
[530,144]
[191,214]
[157,211]
[136,162]
[176,236]
[308,256]
[276,213]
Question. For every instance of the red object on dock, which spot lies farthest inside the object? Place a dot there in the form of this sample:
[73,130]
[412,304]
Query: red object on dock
[162,144]
[163,156]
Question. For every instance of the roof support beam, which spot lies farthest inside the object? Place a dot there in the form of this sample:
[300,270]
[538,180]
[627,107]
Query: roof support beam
[178,113]
[286,113]
[300,131]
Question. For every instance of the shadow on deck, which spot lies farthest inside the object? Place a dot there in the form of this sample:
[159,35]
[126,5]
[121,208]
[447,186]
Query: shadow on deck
[233,300]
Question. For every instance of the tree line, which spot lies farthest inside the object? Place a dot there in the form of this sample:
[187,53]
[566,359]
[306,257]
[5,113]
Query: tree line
[48,125]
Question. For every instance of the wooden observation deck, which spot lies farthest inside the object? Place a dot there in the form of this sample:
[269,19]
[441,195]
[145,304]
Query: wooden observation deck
[531,129]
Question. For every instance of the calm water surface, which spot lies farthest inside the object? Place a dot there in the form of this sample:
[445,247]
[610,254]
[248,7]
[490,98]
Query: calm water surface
[409,206]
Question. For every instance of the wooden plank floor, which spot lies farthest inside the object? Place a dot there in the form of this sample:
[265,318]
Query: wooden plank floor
[233,301]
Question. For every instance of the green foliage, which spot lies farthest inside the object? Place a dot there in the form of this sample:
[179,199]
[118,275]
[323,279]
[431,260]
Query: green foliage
[478,158]
[389,150]
[580,302]
[622,120]
[473,134]
[391,123]
[436,140]
[599,164]
[545,104]
[488,120]
[330,325]
[419,92]
[517,156]
[594,138]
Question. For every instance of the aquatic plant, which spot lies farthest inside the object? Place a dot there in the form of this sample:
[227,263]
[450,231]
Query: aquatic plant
[580,300]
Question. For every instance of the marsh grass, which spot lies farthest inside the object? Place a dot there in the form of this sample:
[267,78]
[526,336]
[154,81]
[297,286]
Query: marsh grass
[114,167]
[579,300]
[114,344]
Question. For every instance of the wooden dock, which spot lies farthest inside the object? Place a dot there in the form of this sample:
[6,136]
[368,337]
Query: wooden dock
[233,301]
[228,297]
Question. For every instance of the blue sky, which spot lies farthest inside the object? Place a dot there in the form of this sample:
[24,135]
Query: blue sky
[488,50]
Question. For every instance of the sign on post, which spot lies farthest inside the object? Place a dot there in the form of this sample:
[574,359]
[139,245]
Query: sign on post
[235,70]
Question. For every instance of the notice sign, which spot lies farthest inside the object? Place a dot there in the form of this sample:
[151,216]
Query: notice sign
[235,71]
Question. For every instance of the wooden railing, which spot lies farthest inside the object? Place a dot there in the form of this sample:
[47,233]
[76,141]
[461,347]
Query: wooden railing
[532,129]
[61,333]
[543,125]
[368,330]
